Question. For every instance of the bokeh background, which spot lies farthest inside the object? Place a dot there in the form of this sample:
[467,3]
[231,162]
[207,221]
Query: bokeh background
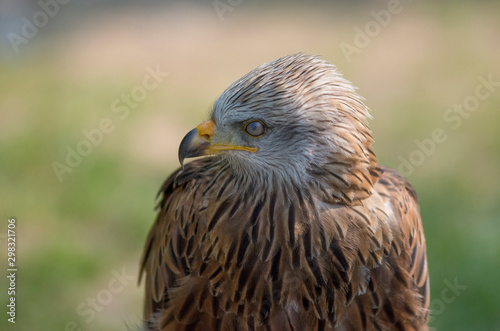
[80,237]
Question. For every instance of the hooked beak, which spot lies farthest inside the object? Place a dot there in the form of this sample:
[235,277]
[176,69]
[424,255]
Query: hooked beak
[198,142]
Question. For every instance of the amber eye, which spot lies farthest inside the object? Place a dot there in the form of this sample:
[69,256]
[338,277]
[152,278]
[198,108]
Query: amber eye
[255,129]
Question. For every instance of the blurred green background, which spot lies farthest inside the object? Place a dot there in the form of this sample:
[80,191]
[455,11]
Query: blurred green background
[79,239]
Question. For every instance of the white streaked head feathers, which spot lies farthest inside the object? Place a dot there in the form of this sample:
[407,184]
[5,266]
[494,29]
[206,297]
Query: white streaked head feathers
[312,113]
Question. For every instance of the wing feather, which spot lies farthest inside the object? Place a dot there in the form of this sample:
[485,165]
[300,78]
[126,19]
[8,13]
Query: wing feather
[283,259]
[170,249]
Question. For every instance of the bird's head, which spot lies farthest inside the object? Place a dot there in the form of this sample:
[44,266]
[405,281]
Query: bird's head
[295,118]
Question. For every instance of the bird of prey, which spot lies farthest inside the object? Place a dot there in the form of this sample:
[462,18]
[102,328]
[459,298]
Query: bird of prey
[288,223]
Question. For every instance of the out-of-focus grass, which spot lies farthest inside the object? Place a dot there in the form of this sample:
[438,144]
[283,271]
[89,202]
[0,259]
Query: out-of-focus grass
[73,234]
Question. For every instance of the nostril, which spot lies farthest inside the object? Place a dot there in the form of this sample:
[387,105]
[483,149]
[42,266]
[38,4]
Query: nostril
[205,137]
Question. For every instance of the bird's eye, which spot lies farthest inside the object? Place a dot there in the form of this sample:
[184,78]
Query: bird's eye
[255,129]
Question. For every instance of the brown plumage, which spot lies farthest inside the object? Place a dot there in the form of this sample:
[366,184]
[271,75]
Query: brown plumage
[290,224]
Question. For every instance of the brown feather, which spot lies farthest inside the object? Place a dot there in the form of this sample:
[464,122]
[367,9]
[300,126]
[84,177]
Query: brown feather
[347,252]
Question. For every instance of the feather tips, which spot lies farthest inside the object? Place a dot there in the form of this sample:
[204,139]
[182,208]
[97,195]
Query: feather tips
[305,256]
[336,245]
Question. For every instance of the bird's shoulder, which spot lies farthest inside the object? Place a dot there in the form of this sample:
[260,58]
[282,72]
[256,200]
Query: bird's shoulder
[401,201]
[405,205]
[170,246]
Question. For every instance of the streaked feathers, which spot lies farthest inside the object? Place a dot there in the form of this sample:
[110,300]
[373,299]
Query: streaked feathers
[310,233]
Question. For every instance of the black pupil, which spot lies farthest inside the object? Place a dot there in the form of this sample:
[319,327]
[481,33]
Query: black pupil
[255,128]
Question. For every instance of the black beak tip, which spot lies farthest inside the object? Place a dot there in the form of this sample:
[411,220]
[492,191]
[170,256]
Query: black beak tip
[190,146]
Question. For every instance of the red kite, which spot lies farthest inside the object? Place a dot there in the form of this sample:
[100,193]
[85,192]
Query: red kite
[289,223]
